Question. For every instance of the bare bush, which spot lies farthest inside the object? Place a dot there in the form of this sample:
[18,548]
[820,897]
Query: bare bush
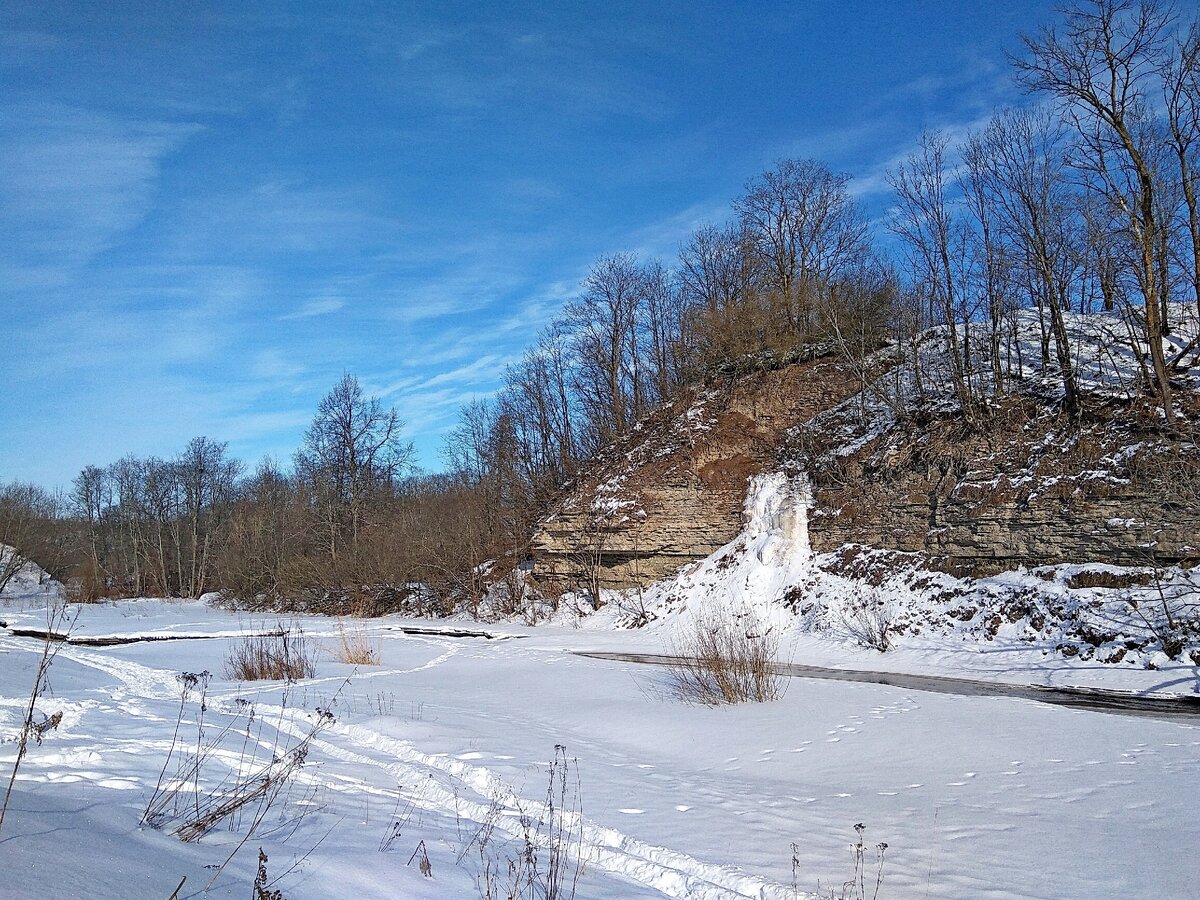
[725,659]
[856,887]
[282,655]
[868,622]
[1172,613]
[357,647]
[231,772]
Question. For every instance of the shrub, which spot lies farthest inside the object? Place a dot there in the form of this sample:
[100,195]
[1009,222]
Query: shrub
[543,859]
[725,659]
[868,622]
[282,655]
[357,647]
[857,886]
[234,774]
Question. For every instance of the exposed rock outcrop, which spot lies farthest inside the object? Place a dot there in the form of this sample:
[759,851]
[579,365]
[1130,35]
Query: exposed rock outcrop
[674,491]
[1028,489]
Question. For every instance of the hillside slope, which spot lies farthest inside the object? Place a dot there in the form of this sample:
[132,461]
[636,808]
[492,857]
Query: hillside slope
[1024,523]
[1026,487]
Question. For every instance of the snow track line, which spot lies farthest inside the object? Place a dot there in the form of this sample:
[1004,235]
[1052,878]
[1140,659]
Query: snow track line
[1178,708]
[670,872]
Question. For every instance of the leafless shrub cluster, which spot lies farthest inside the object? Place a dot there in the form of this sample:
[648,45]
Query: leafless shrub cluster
[282,655]
[1172,612]
[867,621]
[543,860]
[230,769]
[725,659]
[356,646]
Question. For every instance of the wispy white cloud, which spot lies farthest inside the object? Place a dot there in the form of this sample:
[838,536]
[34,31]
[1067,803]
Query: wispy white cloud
[321,306]
[74,182]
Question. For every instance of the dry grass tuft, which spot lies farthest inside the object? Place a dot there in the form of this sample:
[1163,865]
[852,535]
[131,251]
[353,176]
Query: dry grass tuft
[357,646]
[726,659]
[283,655]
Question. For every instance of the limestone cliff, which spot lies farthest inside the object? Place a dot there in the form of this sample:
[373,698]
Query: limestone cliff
[673,492]
[1030,488]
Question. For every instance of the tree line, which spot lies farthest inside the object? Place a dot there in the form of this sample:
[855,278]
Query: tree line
[1083,200]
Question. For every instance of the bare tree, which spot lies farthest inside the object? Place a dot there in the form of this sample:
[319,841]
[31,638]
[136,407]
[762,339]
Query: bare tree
[807,229]
[1099,65]
[992,259]
[937,246]
[719,278]
[352,453]
[1018,160]
[1180,72]
[27,519]
[602,324]
[207,479]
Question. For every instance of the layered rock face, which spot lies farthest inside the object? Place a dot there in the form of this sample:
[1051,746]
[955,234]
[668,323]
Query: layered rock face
[1031,490]
[674,491]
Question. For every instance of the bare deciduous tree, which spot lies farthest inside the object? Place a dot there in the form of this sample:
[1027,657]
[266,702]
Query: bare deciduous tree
[807,229]
[352,453]
[1100,65]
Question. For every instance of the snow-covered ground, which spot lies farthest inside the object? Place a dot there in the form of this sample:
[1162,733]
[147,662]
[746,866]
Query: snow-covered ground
[442,752]
[976,797]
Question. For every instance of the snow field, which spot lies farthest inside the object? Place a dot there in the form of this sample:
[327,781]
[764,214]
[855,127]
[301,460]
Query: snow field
[977,797]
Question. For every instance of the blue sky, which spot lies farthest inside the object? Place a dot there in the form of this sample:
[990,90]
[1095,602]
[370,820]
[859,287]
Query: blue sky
[211,210]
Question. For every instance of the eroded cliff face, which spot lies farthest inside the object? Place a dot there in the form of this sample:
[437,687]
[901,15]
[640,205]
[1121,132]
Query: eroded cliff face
[1030,489]
[674,491]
